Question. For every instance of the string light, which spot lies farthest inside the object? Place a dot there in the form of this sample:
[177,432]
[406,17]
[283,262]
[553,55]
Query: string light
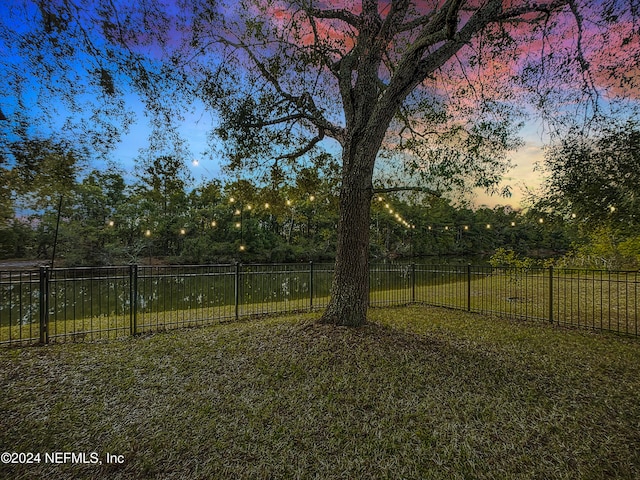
[111,223]
[395,214]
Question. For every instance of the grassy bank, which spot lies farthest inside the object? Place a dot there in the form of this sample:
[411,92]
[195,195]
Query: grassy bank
[420,393]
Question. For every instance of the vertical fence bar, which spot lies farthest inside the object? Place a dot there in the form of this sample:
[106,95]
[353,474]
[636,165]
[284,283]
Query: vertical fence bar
[468,287]
[550,293]
[635,300]
[236,289]
[413,283]
[44,305]
[311,285]
[133,298]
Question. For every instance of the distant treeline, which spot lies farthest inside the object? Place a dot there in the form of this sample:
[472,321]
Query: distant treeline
[101,219]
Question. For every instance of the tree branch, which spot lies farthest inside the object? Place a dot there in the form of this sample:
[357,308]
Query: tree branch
[418,22]
[393,21]
[343,15]
[304,102]
[325,52]
[442,28]
[435,193]
[544,8]
[276,121]
[306,148]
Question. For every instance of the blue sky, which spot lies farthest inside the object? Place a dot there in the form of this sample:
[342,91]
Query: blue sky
[197,125]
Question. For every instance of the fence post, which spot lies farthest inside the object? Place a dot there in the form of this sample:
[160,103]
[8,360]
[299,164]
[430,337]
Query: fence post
[133,299]
[44,305]
[413,283]
[550,293]
[236,290]
[468,287]
[311,285]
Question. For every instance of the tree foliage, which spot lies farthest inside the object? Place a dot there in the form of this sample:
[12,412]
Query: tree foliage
[597,177]
[105,221]
[44,169]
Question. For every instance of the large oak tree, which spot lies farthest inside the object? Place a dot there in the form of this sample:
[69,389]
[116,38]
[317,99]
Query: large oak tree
[433,88]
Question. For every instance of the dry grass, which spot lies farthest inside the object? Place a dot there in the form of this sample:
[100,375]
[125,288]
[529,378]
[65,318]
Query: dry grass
[420,393]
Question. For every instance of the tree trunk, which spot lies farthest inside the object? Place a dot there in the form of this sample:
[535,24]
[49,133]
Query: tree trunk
[350,287]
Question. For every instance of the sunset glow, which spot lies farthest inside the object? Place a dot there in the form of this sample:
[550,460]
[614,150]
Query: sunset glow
[517,81]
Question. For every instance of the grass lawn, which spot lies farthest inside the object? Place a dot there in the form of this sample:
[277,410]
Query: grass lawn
[419,393]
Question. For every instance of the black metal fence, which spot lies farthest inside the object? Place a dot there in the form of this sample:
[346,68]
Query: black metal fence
[85,304]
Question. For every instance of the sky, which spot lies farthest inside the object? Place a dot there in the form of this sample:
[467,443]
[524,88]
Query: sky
[521,177]
[197,125]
